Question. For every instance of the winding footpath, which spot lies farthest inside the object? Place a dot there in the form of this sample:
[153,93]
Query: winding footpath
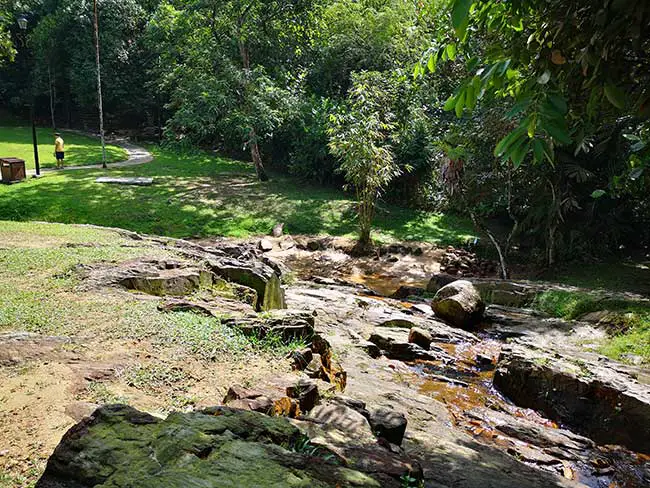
[137,155]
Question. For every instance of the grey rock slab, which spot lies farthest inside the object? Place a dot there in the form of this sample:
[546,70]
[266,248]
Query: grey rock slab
[606,404]
[136,181]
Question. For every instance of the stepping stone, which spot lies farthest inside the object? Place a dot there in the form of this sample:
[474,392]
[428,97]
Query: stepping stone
[139,181]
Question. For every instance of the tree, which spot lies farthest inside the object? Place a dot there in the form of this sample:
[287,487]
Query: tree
[360,137]
[237,57]
[574,77]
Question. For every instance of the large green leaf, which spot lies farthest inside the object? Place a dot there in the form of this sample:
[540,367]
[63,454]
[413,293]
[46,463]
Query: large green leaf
[538,150]
[615,95]
[557,132]
[460,16]
[450,104]
[504,144]
[518,152]
[460,103]
[559,103]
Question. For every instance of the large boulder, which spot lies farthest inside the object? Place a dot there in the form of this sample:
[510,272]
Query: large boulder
[253,274]
[459,304]
[121,447]
[595,398]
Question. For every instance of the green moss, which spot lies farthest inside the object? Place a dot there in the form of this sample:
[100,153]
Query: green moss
[124,448]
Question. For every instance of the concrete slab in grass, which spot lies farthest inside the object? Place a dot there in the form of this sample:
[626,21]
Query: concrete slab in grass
[138,181]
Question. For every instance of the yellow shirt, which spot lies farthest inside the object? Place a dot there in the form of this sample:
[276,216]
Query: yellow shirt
[58,145]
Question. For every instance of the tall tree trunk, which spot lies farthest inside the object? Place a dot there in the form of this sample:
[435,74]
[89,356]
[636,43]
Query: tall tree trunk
[51,90]
[256,156]
[99,86]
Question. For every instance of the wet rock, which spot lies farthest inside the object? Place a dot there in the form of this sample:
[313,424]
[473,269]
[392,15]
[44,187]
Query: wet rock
[388,424]
[405,291]
[395,345]
[420,337]
[121,447]
[306,393]
[438,281]
[301,359]
[173,281]
[266,245]
[599,401]
[255,275]
[288,324]
[459,304]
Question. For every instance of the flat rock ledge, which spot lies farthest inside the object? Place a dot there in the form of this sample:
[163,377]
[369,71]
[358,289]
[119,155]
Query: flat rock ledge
[597,400]
[121,447]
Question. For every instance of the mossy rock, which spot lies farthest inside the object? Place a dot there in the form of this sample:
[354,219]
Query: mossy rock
[120,447]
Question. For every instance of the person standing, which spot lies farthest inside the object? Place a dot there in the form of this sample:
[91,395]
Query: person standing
[59,150]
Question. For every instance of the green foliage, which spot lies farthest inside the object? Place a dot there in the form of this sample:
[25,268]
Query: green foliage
[627,321]
[359,137]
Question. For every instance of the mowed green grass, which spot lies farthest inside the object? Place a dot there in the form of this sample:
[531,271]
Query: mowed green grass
[79,150]
[205,195]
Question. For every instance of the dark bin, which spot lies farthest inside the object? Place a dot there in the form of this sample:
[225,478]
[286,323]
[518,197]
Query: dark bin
[12,170]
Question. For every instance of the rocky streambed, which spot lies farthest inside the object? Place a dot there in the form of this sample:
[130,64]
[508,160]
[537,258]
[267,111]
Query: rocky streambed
[385,394]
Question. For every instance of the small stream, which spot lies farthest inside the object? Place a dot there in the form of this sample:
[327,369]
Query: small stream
[465,385]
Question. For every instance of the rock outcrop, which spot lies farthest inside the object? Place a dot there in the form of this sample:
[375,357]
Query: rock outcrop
[459,304]
[253,274]
[288,324]
[121,447]
[607,405]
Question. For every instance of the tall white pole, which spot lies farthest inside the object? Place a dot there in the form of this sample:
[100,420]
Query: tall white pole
[99,86]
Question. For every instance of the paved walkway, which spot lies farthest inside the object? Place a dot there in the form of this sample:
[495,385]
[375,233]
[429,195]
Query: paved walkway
[137,155]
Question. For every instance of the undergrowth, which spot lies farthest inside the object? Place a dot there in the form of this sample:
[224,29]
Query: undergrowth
[627,321]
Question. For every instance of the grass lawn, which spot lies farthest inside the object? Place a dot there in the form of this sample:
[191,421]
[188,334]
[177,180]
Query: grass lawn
[205,195]
[79,150]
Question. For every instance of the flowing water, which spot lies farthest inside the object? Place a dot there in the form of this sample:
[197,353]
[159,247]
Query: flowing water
[465,385]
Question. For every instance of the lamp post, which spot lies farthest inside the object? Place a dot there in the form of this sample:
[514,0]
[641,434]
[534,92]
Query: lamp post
[99,85]
[22,23]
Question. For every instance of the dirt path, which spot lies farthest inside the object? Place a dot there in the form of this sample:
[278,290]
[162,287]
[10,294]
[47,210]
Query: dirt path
[137,155]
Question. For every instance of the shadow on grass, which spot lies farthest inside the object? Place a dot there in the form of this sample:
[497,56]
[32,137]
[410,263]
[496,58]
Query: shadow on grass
[201,195]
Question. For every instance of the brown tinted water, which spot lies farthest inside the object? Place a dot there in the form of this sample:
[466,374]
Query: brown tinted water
[467,391]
